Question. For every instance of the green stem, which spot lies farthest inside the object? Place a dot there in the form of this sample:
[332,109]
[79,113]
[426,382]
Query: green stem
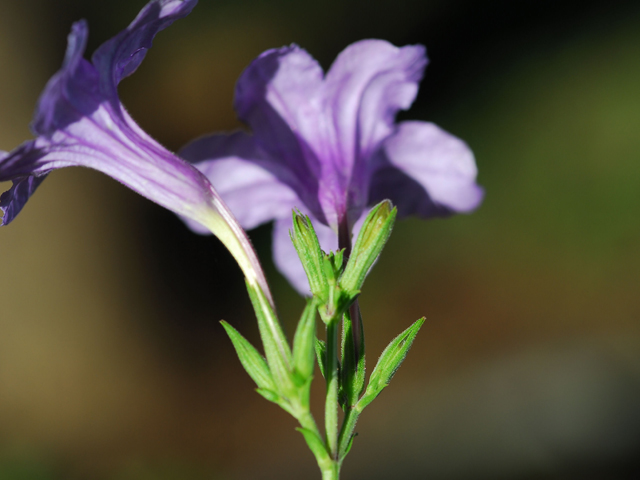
[306,420]
[331,404]
[331,473]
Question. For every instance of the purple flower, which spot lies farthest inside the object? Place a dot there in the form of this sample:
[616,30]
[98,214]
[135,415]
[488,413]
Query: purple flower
[329,146]
[79,121]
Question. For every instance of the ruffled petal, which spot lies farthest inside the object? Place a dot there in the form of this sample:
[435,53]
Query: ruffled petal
[120,56]
[426,171]
[72,92]
[232,163]
[12,201]
[279,95]
[365,87]
[286,258]
[24,183]
[81,122]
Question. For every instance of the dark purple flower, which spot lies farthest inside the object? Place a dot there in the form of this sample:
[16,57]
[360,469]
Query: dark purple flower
[79,121]
[329,146]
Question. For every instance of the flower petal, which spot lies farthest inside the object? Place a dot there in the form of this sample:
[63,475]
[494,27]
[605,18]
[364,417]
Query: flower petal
[426,171]
[12,201]
[72,92]
[120,56]
[286,258]
[279,96]
[232,163]
[81,122]
[366,86]
[23,186]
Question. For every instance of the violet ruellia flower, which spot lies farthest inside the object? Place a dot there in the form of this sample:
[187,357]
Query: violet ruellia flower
[329,146]
[79,121]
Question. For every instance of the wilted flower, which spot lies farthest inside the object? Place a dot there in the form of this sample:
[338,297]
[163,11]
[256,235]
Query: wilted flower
[79,121]
[329,146]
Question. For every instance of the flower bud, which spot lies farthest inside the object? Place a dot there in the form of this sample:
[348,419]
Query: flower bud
[372,238]
[305,241]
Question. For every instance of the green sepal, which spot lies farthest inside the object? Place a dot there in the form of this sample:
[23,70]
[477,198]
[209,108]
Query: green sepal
[251,360]
[304,341]
[316,445]
[321,355]
[275,344]
[389,362]
[353,360]
[306,243]
[373,236]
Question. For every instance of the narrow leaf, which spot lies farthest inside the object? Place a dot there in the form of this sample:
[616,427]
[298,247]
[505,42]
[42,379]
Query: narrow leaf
[251,360]
[277,399]
[321,355]
[316,444]
[275,344]
[349,445]
[389,362]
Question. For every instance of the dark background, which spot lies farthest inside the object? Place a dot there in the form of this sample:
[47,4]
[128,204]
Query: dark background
[113,364]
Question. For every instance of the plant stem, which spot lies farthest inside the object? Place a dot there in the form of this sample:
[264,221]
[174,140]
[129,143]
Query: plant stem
[331,404]
[332,473]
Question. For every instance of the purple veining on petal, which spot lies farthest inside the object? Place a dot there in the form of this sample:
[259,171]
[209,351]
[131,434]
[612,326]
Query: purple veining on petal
[333,141]
[277,95]
[79,121]
[366,86]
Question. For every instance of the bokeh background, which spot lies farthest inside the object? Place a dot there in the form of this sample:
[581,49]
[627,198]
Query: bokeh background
[113,365]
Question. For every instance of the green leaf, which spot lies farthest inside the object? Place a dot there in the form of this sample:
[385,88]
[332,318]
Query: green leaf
[321,355]
[306,243]
[353,358]
[275,344]
[316,444]
[373,236]
[277,399]
[349,445]
[389,362]
[304,340]
[251,360]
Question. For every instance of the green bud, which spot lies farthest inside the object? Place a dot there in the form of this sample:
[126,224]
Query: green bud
[371,240]
[305,241]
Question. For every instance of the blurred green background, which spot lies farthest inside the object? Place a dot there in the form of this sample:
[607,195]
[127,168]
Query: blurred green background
[113,365]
